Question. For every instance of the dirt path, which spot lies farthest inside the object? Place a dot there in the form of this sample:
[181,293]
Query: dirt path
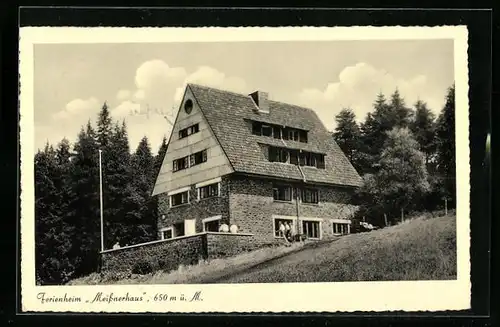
[300,254]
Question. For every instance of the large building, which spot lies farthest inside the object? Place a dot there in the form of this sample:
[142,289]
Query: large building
[245,160]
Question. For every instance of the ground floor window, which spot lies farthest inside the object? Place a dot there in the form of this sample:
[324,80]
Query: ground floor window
[211,224]
[283,226]
[167,233]
[340,228]
[311,229]
[179,229]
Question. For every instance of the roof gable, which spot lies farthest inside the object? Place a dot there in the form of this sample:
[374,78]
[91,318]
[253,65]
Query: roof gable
[230,114]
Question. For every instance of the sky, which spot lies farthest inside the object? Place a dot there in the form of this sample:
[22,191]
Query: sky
[72,81]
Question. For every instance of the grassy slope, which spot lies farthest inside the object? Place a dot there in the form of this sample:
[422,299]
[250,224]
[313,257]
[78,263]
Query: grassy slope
[420,249]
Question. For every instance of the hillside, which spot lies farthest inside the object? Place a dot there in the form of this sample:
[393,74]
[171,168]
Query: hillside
[419,249]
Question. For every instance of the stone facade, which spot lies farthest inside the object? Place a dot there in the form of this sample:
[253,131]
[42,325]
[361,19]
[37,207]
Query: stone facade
[195,209]
[248,203]
[252,207]
[169,254]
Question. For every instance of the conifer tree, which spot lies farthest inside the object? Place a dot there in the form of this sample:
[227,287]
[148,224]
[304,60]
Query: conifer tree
[423,129]
[347,135]
[83,208]
[401,115]
[445,142]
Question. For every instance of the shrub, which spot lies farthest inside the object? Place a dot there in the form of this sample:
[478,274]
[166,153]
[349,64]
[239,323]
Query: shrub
[142,268]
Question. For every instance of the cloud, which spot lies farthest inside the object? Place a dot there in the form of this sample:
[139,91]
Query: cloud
[78,107]
[211,77]
[123,95]
[357,87]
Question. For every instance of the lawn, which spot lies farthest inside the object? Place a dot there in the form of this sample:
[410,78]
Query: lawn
[419,249]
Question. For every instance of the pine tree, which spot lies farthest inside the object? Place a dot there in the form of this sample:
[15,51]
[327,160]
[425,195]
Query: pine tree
[347,135]
[104,127]
[144,218]
[374,133]
[84,206]
[423,129]
[401,115]
[445,141]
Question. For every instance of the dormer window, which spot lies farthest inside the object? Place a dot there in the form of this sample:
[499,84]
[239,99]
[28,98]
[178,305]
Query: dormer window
[279,132]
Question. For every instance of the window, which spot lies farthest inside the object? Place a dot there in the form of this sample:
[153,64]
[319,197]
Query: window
[256,128]
[167,233]
[312,160]
[303,136]
[198,158]
[293,134]
[267,130]
[282,193]
[340,228]
[278,154]
[208,191]
[278,222]
[294,157]
[189,130]
[309,196]
[180,164]
[277,132]
[311,229]
[179,229]
[179,198]
[320,161]
[211,224]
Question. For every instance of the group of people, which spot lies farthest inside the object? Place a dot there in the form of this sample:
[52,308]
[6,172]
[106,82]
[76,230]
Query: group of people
[287,230]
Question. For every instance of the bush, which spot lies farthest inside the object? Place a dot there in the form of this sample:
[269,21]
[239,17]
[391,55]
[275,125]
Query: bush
[142,268]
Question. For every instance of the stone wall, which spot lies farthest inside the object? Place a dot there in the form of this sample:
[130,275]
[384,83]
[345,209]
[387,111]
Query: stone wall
[161,255]
[251,206]
[225,244]
[167,255]
[195,209]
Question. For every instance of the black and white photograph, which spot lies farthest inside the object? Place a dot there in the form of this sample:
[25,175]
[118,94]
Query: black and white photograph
[173,169]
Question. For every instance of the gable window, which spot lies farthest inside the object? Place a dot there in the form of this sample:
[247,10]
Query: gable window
[208,191]
[309,196]
[198,158]
[167,233]
[340,228]
[179,199]
[180,164]
[311,229]
[282,193]
[189,131]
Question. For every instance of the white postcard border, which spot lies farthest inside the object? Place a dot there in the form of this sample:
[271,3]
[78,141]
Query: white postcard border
[283,297]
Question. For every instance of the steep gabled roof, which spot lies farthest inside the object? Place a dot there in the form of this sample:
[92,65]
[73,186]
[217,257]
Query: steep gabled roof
[228,113]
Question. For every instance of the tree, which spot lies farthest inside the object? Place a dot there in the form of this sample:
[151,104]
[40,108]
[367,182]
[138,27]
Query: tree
[83,210]
[423,129]
[144,217]
[402,177]
[347,135]
[400,114]
[373,134]
[445,142]
[53,233]
[104,127]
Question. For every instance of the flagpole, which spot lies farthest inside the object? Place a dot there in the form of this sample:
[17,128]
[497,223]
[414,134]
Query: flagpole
[100,199]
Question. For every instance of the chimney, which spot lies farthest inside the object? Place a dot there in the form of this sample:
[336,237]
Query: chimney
[261,100]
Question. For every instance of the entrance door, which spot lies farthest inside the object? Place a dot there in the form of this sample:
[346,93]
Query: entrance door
[190,226]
